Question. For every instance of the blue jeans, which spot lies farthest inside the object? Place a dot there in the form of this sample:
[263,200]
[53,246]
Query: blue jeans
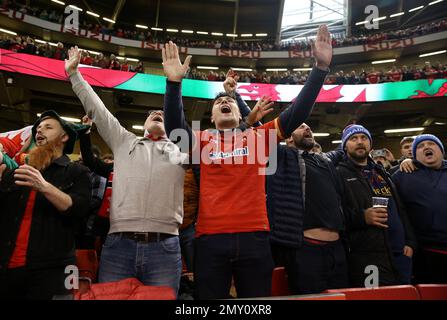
[187,245]
[245,257]
[154,264]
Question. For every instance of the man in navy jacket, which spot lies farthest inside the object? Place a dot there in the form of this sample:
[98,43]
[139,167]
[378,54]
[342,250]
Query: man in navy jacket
[424,193]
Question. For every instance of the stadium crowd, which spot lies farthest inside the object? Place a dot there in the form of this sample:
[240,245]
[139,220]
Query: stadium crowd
[144,204]
[131,32]
[26,44]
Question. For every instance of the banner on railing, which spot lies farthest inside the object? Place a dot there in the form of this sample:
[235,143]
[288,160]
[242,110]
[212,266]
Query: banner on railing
[54,69]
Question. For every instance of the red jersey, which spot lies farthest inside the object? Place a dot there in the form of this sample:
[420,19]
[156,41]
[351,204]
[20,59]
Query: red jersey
[87,61]
[124,67]
[430,74]
[18,258]
[232,189]
[104,210]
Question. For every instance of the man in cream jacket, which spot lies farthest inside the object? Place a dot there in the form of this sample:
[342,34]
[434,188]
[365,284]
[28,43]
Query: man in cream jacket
[147,202]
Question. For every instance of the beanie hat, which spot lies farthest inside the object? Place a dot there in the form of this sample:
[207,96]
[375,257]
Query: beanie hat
[425,137]
[352,130]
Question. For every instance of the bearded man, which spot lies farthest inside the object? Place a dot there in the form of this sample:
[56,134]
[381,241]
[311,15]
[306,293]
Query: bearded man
[304,199]
[40,205]
[380,237]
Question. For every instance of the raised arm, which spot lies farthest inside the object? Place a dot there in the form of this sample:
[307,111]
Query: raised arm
[230,87]
[173,104]
[108,126]
[90,161]
[301,108]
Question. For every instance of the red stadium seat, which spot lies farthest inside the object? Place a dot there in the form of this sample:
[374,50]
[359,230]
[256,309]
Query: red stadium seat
[127,289]
[432,291]
[406,292]
[87,262]
[280,286]
[322,296]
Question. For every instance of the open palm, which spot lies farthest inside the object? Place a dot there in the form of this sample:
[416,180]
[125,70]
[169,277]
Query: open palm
[322,48]
[262,108]
[72,63]
[173,68]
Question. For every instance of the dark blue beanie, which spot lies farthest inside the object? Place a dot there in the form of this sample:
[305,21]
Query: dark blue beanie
[354,129]
[425,137]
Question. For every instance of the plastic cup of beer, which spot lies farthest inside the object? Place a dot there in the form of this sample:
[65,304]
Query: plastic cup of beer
[379,202]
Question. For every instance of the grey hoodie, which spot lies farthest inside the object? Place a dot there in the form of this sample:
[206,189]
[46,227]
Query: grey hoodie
[148,175]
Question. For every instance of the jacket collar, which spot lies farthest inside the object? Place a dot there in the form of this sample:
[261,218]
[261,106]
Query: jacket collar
[420,165]
[62,161]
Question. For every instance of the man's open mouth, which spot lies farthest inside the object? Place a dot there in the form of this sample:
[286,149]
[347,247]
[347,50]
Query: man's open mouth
[225,109]
[157,118]
[307,135]
[428,153]
[40,138]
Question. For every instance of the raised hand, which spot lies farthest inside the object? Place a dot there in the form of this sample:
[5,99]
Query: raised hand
[72,63]
[262,108]
[230,83]
[173,68]
[322,48]
[88,122]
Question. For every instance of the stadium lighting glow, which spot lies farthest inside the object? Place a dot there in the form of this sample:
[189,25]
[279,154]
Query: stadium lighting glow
[302,69]
[108,20]
[136,127]
[261,34]
[69,119]
[172,30]
[7,31]
[156,29]
[276,69]
[247,35]
[403,130]
[321,134]
[40,41]
[141,26]
[231,35]
[432,53]
[128,59]
[336,141]
[383,61]
[187,31]
[216,33]
[52,44]
[202,32]
[207,68]
[435,2]
[415,9]
[59,2]
[76,8]
[241,69]
[93,14]
[397,14]
[361,22]
[93,52]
